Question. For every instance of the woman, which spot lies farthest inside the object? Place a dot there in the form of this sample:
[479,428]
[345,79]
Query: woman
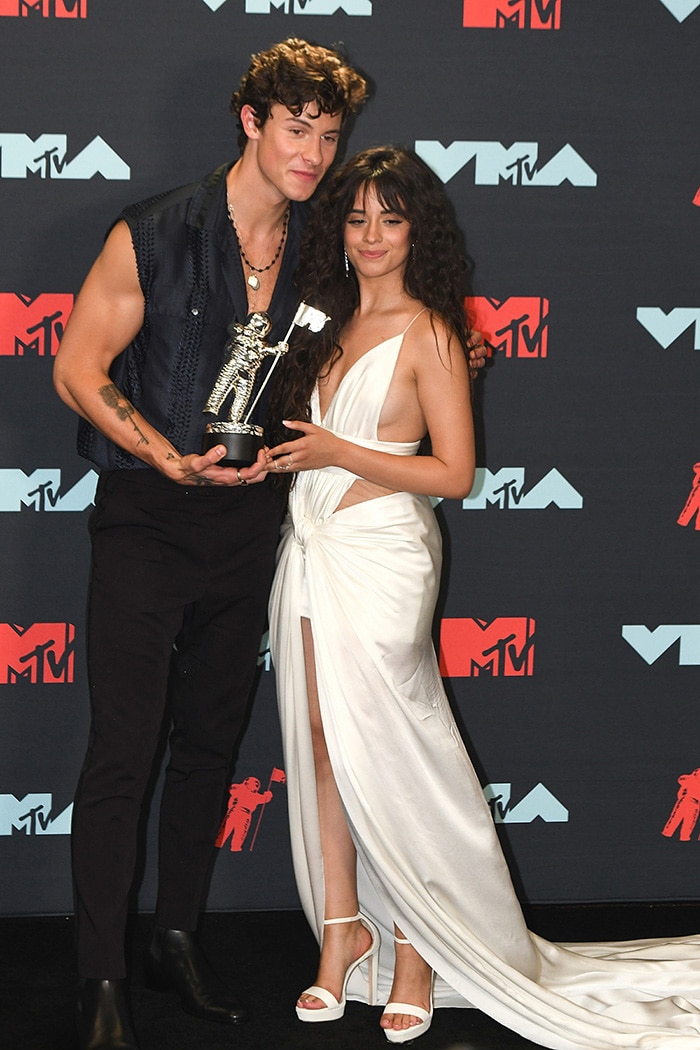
[392,838]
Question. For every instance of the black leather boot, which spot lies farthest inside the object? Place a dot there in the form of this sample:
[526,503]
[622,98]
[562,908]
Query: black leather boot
[175,961]
[102,1017]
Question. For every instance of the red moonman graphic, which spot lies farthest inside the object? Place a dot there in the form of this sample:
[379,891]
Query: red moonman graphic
[471,647]
[515,327]
[243,800]
[687,808]
[692,504]
[41,654]
[512,14]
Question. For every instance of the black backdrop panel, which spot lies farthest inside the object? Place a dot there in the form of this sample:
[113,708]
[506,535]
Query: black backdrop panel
[569,622]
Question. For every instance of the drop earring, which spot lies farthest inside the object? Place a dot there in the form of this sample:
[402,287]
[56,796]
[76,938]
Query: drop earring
[347,263]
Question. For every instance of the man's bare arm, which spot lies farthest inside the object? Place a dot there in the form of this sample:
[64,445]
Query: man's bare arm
[107,315]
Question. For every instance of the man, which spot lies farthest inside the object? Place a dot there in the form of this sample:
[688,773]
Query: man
[182,557]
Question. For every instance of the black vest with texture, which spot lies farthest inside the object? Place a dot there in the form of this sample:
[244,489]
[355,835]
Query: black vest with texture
[193,285]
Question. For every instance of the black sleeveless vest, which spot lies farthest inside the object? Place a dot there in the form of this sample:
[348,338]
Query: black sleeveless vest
[193,285]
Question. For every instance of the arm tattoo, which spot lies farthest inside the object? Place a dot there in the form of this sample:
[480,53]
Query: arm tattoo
[114,398]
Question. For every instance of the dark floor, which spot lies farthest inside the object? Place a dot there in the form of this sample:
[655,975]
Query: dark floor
[270,956]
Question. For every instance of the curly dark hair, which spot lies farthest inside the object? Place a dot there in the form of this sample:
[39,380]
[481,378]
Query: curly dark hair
[438,271]
[294,73]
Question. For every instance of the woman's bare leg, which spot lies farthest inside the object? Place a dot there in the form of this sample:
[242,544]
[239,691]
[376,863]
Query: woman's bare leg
[345,942]
[411,984]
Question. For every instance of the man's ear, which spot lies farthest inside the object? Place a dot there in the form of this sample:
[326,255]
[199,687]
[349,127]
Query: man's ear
[249,121]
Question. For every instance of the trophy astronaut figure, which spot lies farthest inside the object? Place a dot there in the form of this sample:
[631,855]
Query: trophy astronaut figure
[245,351]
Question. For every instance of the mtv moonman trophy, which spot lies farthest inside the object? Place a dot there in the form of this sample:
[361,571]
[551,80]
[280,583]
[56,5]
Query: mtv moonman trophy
[245,352]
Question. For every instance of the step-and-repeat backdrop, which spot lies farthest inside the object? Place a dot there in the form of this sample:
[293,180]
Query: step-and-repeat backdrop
[566,134]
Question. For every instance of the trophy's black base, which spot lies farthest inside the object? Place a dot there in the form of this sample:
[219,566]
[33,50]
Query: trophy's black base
[241,449]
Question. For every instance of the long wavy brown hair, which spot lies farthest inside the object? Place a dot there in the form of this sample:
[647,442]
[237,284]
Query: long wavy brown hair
[437,272]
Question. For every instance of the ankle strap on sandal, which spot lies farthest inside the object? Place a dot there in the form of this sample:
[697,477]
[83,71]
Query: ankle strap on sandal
[335,922]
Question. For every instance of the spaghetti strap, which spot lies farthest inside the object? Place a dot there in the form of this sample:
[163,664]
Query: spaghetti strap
[415,318]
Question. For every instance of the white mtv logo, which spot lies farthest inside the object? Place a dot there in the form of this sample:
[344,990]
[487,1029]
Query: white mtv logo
[46,156]
[496,163]
[506,489]
[300,7]
[31,815]
[41,491]
[681,9]
[652,644]
[667,327]
[540,802]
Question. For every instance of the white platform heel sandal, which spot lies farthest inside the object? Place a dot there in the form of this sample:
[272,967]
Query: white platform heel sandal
[407,1035]
[334,1008]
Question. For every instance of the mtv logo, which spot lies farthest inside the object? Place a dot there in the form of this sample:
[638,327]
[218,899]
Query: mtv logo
[667,327]
[46,157]
[40,654]
[302,7]
[506,490]
[41,491]
[470,647]
[652,644]
[517,164]
[515,327]
[512,14]
[540,802]
[32,326]
[31,815]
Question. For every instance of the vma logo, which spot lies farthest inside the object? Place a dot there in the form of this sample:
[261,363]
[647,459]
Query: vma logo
[243,800]
[540,802]
[41,654]
[517,164]
[506,490]
[300,7]
[32,326]
[46,157]
[41,491]
[515,327]
[685,813]
[512,14]
[43,8]
[681,9]
[32,815]
[692,504]
[667,327]
[652,644]
[470,648]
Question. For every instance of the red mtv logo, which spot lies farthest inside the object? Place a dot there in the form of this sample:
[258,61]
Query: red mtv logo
[42,8]
[517,327]
[470,647]
[42,653]
[32,327]
[512,14]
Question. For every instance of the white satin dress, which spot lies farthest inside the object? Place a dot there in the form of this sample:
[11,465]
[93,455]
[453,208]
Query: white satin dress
[428,855]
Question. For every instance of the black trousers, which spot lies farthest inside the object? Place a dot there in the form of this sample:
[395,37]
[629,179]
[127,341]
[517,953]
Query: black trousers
[177,602]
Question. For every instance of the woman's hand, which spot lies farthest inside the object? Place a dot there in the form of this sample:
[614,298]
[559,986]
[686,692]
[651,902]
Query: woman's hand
[478,353]
[317,448]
